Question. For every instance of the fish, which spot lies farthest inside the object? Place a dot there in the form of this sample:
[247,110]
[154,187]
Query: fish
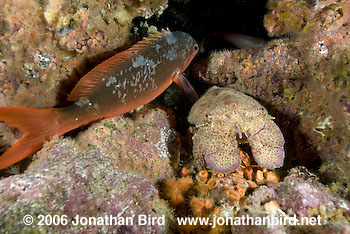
[241,40]
[116,86]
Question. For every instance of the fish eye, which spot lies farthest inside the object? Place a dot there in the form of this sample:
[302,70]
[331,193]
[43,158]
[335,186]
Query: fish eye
[195,47]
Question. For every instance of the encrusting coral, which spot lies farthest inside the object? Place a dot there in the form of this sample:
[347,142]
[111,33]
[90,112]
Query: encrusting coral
[223,115]
[207,193]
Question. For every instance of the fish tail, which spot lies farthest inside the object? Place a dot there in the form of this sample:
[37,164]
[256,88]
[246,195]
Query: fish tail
[36,124]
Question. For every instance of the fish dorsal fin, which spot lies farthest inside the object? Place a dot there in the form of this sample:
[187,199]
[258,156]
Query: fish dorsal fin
[90,81]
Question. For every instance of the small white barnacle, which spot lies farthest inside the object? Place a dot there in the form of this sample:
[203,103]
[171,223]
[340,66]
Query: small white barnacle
[76,119]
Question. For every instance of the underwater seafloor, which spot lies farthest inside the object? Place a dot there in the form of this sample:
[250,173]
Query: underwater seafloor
[161,163]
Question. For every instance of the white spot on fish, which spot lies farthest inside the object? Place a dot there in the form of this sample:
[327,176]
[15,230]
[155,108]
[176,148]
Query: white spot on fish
[171,39]
[158,62]
[111,80]
[139,61]
[158,47]
[124,83]
[151,63]
[123,99]
[82,102]
[171,54]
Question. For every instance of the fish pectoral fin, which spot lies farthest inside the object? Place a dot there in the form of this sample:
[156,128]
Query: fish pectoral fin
[184,85]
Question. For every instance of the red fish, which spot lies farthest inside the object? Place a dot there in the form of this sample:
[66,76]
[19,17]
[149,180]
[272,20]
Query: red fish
[119,84]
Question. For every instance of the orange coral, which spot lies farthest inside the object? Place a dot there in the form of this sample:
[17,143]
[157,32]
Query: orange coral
[212,183]
[203,188]
[185,183]
[176,189]
[249,173]
[241,189]
[200,206]
[259,177]
[271,178]
[184,171]
[202,175]
[203,195]
[232,196]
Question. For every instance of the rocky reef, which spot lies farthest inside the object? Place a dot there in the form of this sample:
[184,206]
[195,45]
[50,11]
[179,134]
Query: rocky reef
[272,142]
[299,195]
[110,169]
